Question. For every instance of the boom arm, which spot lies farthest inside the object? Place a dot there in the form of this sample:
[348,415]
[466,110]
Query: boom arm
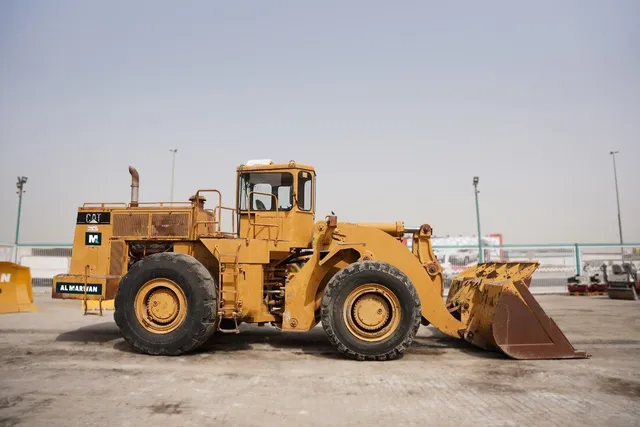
[353,242]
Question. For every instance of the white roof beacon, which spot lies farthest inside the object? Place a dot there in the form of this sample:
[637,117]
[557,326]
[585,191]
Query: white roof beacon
[259,162]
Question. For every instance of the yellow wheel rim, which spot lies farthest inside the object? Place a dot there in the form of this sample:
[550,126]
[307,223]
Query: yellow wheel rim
[160,306]
[372,312]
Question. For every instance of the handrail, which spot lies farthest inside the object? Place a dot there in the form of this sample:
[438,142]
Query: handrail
[162,204]
[217,215]
[124,205]
[210,190]
[233,217]
[103,204]
[277,225]
[215,221]
[217,211]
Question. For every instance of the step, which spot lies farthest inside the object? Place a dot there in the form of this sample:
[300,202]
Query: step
[230,255]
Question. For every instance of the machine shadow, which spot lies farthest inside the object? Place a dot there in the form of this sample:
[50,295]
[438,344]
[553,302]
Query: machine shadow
[438,343]
[255,339]
[99,333]
[258,339]
[313,343]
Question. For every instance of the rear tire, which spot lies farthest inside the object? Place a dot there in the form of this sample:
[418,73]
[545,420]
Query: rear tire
[371,311]
[166,304]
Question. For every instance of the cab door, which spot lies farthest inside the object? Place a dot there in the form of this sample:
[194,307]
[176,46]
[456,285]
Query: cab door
[265,203]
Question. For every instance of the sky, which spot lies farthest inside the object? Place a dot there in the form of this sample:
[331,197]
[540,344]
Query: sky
[398,105]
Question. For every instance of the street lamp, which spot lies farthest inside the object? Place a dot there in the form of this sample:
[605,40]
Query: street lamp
[475,187]
[22,180]
[173,167]
[615,176]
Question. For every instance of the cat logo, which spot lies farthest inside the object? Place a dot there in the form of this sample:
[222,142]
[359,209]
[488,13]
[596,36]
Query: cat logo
[93,239]
[93,218]
[5,277]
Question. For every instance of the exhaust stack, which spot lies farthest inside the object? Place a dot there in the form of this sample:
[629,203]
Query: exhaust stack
[135,185]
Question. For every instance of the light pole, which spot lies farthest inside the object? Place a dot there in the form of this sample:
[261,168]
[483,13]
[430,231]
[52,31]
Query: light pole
[475,187]
[615,176]
[173,167]
[22,180]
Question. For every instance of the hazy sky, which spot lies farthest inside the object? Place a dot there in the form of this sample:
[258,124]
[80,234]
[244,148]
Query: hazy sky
[397,104]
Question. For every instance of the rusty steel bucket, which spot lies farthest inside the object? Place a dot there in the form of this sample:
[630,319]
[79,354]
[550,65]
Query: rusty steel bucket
[500,313]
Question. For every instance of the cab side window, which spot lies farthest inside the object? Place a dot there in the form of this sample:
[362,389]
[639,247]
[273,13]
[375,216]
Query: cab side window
[305,190]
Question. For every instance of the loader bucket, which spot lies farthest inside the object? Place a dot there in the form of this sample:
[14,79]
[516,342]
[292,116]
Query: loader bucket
[500,313]
[16,293]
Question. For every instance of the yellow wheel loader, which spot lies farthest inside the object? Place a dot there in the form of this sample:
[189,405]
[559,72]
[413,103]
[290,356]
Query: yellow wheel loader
[177,275]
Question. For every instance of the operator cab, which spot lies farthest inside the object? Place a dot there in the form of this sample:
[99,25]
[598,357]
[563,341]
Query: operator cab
[276,202]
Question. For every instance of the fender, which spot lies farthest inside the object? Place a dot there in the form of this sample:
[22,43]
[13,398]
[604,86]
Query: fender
[350,243]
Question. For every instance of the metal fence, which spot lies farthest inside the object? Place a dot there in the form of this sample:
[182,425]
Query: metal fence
[7,252]
[44,261]
[557,262]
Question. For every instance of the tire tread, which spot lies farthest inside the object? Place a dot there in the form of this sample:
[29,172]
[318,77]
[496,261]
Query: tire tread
[334,286]
[206,325]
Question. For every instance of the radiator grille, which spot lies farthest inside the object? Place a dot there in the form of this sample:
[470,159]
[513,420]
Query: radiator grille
[131,225]
[170,225]
[117,258]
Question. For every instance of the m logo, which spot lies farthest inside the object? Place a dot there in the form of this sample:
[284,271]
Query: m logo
[5,277]
[93,239]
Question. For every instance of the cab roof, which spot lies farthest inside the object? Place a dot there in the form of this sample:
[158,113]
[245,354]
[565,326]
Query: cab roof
[269,165]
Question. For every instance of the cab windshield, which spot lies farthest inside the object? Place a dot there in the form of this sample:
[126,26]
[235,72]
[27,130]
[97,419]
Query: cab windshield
[263,191]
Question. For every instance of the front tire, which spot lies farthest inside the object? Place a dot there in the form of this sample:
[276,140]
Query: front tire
[166,304]
[371,311]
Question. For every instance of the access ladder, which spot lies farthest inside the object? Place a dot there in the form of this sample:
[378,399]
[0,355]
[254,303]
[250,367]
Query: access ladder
[228,303]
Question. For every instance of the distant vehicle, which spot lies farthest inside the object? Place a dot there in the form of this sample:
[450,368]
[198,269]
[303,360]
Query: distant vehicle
[463,257]
[589,281]
[623,281]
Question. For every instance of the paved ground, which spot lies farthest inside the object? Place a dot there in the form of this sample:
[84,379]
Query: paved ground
[59,368]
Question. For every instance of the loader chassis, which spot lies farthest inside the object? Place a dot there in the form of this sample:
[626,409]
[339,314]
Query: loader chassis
[180,272]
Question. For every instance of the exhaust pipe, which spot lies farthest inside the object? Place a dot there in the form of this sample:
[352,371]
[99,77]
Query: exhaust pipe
[135,185]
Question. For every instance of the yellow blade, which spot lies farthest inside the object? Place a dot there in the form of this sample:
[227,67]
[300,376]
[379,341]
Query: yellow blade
[16,293]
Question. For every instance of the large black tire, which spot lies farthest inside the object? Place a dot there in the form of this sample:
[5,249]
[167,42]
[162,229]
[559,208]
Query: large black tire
[199,289]
[334,299]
